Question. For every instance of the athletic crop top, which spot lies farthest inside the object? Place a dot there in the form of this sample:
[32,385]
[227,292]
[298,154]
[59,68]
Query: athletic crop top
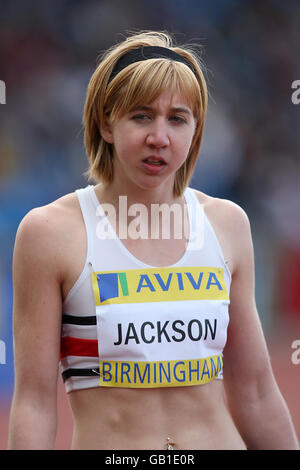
[128,324]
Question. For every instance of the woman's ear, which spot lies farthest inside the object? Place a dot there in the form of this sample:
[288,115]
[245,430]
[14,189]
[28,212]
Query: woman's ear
[106,130]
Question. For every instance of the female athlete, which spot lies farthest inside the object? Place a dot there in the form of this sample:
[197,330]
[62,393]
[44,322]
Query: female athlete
[140,289]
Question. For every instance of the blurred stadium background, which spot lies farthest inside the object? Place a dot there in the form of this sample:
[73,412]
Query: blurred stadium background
[250,153]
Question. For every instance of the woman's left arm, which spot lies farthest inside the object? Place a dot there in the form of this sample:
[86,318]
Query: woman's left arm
[255,402]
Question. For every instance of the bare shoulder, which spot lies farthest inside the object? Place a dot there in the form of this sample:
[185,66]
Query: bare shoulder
[222,209]
[44,231]
[52,218]
[231,225]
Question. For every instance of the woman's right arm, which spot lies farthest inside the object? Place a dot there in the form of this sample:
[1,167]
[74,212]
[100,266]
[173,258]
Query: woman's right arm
[37,268]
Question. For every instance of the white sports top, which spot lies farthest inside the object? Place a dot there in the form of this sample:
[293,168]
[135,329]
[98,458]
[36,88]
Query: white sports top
[128,324]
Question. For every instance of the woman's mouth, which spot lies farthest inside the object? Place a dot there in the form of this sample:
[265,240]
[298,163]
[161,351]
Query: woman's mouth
[154,162]
[154,165]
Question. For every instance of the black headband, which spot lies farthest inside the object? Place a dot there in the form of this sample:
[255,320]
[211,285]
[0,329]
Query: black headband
[145,53]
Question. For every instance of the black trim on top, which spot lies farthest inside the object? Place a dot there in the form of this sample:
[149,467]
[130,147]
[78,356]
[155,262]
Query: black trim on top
[66,374]
[74,320]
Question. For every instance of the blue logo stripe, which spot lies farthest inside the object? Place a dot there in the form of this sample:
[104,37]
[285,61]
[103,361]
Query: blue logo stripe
[108,286]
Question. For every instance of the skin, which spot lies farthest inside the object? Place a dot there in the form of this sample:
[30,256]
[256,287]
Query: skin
[246,410]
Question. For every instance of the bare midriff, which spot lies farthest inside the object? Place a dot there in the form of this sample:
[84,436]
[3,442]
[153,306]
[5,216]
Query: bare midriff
[194,417]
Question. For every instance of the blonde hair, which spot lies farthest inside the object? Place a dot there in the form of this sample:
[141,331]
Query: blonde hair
[140,84]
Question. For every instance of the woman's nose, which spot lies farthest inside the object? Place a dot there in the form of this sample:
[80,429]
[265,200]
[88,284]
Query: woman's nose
[158,134]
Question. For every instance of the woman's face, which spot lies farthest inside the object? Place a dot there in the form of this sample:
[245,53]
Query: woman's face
[152,142]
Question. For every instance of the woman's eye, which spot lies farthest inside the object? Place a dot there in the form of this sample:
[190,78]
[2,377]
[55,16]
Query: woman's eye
[141,117]
[178,119]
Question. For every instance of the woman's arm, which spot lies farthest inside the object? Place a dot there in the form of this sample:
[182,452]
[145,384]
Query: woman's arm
[37,324]
[255,402]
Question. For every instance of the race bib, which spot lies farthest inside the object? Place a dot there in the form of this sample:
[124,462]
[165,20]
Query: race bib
[160,327]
